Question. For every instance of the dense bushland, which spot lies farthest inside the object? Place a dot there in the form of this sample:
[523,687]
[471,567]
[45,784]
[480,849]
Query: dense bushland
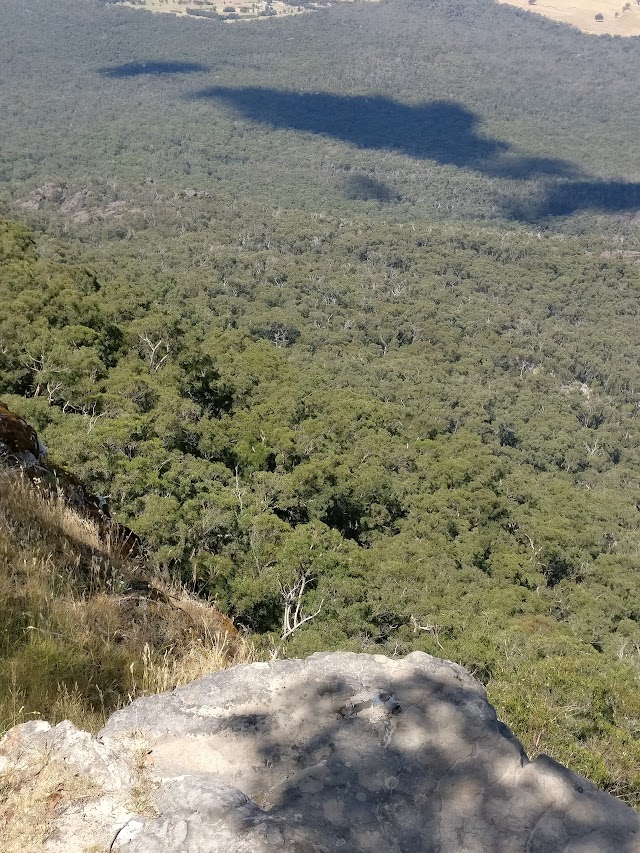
[425,434]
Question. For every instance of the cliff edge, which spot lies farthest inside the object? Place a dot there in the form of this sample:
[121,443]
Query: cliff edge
[338,752]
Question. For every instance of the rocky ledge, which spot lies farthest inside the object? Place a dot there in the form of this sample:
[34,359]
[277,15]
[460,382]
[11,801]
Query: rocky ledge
[340,752]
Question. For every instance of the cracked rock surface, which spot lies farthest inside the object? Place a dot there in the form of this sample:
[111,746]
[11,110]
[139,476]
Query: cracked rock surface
[357,753]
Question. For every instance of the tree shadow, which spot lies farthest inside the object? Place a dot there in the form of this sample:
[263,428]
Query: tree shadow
[359,753]
[151,68]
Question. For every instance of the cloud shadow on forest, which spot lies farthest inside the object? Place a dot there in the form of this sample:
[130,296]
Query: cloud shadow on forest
[151,68]
[438,130]
[359,187]
[563,198]
[443,131]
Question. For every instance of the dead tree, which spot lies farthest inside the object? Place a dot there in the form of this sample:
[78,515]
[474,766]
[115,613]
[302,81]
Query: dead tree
[293,616]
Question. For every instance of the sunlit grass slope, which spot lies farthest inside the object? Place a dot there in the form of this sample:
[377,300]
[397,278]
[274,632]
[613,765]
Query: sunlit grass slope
[82,631]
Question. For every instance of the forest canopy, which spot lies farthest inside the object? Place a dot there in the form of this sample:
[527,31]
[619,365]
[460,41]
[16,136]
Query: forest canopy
[418,423]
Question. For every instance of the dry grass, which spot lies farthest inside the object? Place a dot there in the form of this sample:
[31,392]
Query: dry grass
[618,20]
[159,673]
[83,630]
[30,800]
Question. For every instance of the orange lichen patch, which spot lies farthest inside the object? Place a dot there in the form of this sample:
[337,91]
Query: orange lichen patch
[16,434]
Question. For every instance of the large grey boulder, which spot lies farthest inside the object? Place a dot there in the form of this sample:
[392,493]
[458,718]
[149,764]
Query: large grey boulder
[353,754]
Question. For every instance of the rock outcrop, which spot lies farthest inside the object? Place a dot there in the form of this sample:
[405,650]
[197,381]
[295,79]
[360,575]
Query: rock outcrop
[339,752]
[80,205]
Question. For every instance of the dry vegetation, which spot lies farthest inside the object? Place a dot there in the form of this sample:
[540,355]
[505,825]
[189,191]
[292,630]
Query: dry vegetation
[619,17]
[30,800]
[83,630]
[44,791]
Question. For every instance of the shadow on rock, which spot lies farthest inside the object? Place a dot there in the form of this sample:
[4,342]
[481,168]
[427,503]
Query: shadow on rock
[359,753]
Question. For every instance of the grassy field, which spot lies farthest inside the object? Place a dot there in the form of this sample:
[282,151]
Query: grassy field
[617,19]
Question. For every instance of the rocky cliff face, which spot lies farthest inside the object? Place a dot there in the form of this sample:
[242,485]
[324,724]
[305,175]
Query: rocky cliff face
[339,752]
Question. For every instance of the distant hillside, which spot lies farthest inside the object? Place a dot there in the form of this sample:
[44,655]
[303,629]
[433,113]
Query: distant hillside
[403,110]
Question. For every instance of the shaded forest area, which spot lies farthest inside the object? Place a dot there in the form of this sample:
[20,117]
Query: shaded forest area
[303,304]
